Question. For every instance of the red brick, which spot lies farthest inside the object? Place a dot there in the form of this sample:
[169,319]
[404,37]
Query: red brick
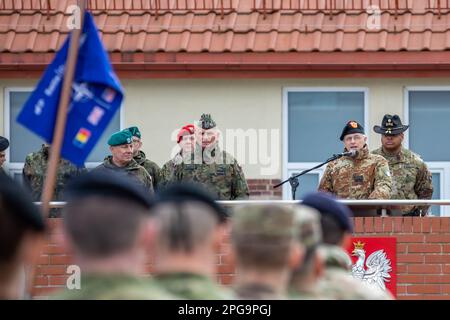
[407,225]
[378,225]
[424,268]
[416,247]
[255,193]
[402,268]
[226,279]
[435,224]
[436,297]
[41,281]
[61,259]
[387,223]
[401,289]
[426,224]
[437,279]
[446,268]
[398,221]
[424,288]
[410,297]
[446,289]
[225,269]
[368,224]
[445,225]
[51,270]
[410,238]
[43,259]
[437,258]
[438,238]
[260,187]
[43,291]
[57,281]
[359,224]
[407,278]
[52,249]
[401,248]
[446,248]
[417,225]
[410,258]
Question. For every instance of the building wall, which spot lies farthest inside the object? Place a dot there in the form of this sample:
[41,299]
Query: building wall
[160,106]
[423,256]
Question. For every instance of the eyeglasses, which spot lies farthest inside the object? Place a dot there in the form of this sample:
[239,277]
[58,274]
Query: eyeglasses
[355,138]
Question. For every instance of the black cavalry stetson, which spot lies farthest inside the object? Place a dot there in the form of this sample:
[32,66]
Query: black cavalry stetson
[391,125]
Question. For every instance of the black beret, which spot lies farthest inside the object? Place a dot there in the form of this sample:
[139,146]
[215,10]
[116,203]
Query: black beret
[117,185]
[326,203]
[20,204]
[351,127]
[187,192]
[4,143]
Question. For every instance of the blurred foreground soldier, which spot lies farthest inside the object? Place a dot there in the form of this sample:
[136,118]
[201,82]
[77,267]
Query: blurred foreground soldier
[139,155]
[109,228]
[21,227]
[305,278]
[192,226]
[266,250]
[215,169]
[411,178]
[364,176]
[121,160]
[4,144]
[337,281]
[34,172]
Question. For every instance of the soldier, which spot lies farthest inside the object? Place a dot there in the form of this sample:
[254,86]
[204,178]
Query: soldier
[264,242]
[337,281]
[139,155]
[110,229]
[411,178]
[4,144]
[193,226]
[34,172]
[21,229]
[305,278]
[365,176]
[209,165]
[121,147]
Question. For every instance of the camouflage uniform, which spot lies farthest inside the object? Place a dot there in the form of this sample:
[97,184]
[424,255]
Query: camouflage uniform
[151,167]
[217,169]
[35,169]
[192,286]
[411,178]
[115,287]
[132,169]
[365,177]
[338,283]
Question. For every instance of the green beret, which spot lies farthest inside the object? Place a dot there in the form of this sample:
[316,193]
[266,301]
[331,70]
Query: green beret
[121,137]
[134,131]
[206,122]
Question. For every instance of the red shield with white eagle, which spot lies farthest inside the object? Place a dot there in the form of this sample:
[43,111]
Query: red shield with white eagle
[374,261]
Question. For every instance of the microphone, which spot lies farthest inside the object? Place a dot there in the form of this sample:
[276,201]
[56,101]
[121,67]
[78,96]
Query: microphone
[351,154]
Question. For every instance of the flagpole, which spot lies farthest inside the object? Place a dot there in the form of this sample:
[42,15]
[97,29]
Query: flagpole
[58,134]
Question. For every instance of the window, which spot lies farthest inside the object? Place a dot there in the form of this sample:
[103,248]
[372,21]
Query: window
[313,121]
[426,108]
[23,141]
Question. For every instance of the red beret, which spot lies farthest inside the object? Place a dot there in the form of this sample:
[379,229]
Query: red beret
[187,129]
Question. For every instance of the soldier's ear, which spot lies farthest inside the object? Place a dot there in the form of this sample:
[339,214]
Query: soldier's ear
[296,256]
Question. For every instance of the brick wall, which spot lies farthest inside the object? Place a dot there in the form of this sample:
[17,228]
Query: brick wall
[263,189]
[423,256]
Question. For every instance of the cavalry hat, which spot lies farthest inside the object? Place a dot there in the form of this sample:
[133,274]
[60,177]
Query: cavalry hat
[391,125]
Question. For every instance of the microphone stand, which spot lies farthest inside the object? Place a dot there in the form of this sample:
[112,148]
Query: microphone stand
[293,181]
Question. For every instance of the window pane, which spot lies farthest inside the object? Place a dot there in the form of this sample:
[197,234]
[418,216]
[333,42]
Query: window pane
[308,183]
[24,141]
[316,120]
[435,210]
[429,114]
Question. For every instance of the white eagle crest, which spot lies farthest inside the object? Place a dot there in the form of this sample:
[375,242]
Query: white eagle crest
[375,270]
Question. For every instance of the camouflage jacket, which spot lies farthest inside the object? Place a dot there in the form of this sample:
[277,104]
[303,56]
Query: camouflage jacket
[35,169]
[192,286]
[216,169]
[411,178]
[151,167]
[133,169]
[257,291]
[115,287]
[338,283]
[365,177]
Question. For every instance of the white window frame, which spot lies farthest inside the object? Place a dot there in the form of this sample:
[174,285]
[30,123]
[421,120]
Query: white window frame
[16,167]
[441,167]
[300,166]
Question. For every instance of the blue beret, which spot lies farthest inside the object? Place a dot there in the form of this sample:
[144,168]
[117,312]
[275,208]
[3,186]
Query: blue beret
[134,131]
[20,204]
[4,144]
[121,137]
[326,203]
[117,185]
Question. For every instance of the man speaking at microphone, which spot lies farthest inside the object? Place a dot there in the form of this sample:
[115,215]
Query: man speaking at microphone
[359,175]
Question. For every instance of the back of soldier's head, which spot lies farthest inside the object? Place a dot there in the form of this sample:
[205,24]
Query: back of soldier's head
[104,213]
[188,215]
[263,235]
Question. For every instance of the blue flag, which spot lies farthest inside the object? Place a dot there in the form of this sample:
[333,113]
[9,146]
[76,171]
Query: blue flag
[96,96]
